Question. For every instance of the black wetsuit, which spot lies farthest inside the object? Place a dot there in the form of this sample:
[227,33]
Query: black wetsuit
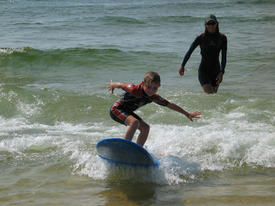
[211,45]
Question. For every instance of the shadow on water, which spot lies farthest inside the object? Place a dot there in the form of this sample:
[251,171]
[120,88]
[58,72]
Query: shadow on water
[142,186]
[129,193]
[129,186]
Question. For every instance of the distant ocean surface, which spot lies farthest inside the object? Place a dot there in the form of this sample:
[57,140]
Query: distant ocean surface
[56,58]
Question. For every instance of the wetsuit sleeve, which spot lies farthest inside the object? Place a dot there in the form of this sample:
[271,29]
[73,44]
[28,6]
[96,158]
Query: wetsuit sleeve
[128,88]
[159,100]
[224,54]
[190,51]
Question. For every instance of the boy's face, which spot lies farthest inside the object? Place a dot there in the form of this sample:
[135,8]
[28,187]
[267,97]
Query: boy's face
[151,88]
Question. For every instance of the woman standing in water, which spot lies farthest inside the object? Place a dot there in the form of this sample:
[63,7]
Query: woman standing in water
[211,43]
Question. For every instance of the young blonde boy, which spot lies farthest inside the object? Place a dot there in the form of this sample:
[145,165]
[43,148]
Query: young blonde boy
[136,96]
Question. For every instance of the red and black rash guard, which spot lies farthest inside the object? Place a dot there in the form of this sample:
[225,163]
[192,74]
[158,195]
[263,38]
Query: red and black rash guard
[132,99]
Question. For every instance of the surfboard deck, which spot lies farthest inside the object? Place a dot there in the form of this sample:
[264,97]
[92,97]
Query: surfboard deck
[124,152]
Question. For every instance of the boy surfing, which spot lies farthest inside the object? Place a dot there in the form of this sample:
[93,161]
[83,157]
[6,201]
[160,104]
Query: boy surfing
[136,96]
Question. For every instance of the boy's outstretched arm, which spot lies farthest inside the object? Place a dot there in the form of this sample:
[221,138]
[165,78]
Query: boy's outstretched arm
[112,85]
[180,110]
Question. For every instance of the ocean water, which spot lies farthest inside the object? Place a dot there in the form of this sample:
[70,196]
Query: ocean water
[56,58]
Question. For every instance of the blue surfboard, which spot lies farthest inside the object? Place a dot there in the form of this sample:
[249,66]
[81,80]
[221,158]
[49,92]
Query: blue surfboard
[124,152]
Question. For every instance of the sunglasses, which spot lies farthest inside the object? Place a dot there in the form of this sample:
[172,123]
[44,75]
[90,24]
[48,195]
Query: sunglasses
[211,23]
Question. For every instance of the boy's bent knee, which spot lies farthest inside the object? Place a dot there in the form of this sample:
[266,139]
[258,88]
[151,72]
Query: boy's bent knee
[144,127]
[147,127]
[134,123]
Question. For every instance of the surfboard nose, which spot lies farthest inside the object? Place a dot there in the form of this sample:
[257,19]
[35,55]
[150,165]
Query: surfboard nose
[121,151]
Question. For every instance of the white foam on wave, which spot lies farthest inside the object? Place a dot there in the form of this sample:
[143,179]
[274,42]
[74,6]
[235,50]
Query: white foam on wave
[11,50]
[18,135]
[217,145]
[173,169]
[19,138]
[184,151]
[29,109]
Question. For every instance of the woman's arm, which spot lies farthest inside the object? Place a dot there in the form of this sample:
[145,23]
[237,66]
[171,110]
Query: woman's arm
[187,55]
[224,54]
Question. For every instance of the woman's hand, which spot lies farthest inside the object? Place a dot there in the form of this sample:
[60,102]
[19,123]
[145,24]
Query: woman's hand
[181,70]
[219,78]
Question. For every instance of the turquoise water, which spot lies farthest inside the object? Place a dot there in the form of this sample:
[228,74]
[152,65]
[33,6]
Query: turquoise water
[55,61]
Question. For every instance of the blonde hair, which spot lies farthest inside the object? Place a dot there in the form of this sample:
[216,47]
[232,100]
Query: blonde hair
[152,77]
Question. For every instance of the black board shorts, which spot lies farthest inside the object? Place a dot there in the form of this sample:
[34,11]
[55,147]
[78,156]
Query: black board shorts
[124,113]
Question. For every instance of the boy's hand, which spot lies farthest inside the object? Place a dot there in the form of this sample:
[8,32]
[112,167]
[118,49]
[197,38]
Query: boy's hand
[182,111]
[110,86]
[193,115]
